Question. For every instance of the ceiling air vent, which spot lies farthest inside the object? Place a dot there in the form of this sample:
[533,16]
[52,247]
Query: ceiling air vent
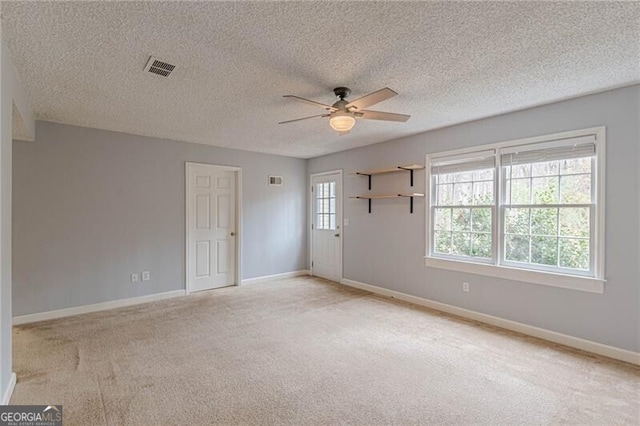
[156,66]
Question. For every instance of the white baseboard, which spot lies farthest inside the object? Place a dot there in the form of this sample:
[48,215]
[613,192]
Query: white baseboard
[266,278]
[6,398]
[541,333]
[77,310]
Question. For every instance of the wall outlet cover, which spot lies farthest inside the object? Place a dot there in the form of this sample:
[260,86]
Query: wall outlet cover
[146,275]
[135,277]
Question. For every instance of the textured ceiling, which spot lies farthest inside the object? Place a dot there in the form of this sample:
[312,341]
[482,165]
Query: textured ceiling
[450,62]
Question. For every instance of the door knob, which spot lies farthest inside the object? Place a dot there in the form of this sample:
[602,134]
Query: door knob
[336,235]
[233,234]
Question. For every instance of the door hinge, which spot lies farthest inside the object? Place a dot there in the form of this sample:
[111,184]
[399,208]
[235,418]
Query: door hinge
[312,263]
[311,188]
[311,226]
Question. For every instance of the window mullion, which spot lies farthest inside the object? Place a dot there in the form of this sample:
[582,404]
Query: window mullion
[497,211]
[593,220]
[530,222]
[592,238]
[558,234]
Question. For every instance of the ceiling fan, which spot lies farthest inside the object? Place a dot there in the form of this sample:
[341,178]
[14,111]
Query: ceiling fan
[342,114]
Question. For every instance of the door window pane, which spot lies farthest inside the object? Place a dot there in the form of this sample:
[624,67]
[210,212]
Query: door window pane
[326,205]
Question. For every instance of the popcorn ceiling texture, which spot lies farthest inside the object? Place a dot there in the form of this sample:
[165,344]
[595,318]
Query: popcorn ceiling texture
[82,64]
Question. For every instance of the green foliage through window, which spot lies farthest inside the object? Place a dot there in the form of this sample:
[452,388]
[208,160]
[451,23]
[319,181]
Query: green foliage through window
[544,207]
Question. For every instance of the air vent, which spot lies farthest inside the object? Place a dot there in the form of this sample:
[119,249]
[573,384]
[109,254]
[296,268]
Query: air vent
[275,180]
[156,66]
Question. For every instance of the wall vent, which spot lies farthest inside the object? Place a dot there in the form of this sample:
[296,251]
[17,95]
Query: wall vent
[156,66]
[275,180]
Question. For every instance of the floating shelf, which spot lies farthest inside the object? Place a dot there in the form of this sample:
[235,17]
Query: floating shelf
[408,195]
[406,168]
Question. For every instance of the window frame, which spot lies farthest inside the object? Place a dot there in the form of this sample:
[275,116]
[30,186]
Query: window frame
[591,281]
[433,206]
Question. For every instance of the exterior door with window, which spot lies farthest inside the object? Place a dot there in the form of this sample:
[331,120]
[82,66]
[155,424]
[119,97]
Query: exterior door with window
[326,235]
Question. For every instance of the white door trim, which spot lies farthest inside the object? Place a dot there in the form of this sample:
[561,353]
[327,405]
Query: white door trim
[238,243]
[339,220]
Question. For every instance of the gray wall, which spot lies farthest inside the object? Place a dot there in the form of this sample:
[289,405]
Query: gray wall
[386,248]
[90,207]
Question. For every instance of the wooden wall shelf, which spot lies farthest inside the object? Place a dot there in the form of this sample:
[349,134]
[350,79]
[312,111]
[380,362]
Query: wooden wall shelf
[406,168]
[409,195]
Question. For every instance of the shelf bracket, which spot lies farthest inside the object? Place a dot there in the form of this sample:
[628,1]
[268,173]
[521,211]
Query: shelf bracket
[369,176]
[410,174]
[369,200]
[410,197]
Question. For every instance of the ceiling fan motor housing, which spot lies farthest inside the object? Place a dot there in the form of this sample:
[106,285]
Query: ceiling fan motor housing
[341,105]
[342,92]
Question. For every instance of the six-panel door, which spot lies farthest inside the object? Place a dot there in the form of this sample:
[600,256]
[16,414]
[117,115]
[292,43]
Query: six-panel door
[211,227]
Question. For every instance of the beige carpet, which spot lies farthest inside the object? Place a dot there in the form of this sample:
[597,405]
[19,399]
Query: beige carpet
[305,351]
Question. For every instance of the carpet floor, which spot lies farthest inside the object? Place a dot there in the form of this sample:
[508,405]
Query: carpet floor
[306,351]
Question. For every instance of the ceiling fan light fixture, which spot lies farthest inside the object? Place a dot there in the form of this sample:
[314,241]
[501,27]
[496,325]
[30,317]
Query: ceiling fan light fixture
[342,121]
[342,114]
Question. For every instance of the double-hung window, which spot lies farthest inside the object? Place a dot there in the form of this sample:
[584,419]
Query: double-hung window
[464,206]
[528,210]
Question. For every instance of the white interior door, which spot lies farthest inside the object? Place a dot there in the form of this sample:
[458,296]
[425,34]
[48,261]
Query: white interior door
[326,235]
[211,227]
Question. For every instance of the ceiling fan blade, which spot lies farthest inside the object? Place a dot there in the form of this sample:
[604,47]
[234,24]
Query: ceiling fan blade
[372,99]
[386,116]
[310,102]
[304,118]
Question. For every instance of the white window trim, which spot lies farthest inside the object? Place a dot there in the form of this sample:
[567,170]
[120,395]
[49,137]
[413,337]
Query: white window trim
[590,284]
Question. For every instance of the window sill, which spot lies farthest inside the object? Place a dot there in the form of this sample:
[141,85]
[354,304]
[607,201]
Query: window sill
[572,282]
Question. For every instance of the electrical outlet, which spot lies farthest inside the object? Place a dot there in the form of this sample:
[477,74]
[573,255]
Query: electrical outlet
[465,287]
[135,277]
[146,275]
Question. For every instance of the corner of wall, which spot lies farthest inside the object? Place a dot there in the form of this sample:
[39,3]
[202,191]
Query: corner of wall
[307,213]
[12,98]
[638,216]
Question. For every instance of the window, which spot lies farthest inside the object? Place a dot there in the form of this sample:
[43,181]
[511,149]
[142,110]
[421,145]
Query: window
[464,206]
[326,205]
[530,205]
